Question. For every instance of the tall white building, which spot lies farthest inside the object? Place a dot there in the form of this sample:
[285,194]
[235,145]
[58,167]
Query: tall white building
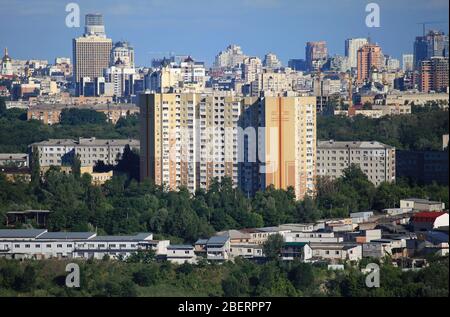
[251,68]
[231,57]
[408,62]
[118,75]
[351,50]
[271,61]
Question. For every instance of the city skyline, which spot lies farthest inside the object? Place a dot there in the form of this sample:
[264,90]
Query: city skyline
[178,29]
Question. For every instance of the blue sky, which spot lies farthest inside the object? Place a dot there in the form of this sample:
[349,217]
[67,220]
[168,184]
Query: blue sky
[201,28]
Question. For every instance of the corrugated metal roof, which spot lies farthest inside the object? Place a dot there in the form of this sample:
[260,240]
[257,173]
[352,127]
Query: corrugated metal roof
[21,233]
[137,237]
[218,240]
[180,247]
[67,235]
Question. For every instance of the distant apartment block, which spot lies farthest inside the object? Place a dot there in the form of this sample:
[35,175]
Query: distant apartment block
[14,159]
[376,160]
[434,75]
[423,167]
[51,113]
[60,152]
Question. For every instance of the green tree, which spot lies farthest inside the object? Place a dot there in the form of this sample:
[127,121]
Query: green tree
[273,246]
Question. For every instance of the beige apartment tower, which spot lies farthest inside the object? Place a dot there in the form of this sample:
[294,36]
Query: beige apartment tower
[289,143]
[368,57]
[189,139]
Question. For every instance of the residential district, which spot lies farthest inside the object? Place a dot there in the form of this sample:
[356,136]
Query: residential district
[198,124]
[403,235]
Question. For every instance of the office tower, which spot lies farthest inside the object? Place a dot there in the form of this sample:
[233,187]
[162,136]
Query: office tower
[351,50]
[123,52]
[229,58]
[284,138]
[408,62]
[369,56]
[434,75]
[433,44]
[271,61]
[251,68]
[376,160]
[91,52]
[316,54]
[297,64]
[94,25]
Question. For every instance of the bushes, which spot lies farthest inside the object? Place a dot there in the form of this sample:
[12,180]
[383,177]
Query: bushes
[242,278]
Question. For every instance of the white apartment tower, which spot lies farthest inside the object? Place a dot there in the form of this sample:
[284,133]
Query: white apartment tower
[351,50]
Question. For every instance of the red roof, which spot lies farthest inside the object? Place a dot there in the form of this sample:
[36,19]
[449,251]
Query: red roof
[426,216]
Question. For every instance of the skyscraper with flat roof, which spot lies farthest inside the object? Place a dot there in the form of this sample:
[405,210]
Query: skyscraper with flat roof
[91,52]
[316,54]
[369,57]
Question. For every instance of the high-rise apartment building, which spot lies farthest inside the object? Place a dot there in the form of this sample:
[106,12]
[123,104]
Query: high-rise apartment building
[434,75]
[433,44]
[316,54]
[376,160]
[271,61]
[188,139]
[229,58]
[369,56]
[91,52]
[251,68]
[351,50]
[286,144]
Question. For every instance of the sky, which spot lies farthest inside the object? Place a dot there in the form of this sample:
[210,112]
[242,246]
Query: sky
[201,28]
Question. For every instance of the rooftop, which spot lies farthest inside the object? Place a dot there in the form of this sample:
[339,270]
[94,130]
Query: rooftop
[67,235]
[87,142]
[423,201]
[137,237]
[21,233]
[180,247]
[218,240]
[331,144]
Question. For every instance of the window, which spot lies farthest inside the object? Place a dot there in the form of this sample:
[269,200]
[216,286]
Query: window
[59,245]
[27,246]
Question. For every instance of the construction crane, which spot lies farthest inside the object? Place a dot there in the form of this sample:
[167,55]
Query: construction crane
[424,24]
